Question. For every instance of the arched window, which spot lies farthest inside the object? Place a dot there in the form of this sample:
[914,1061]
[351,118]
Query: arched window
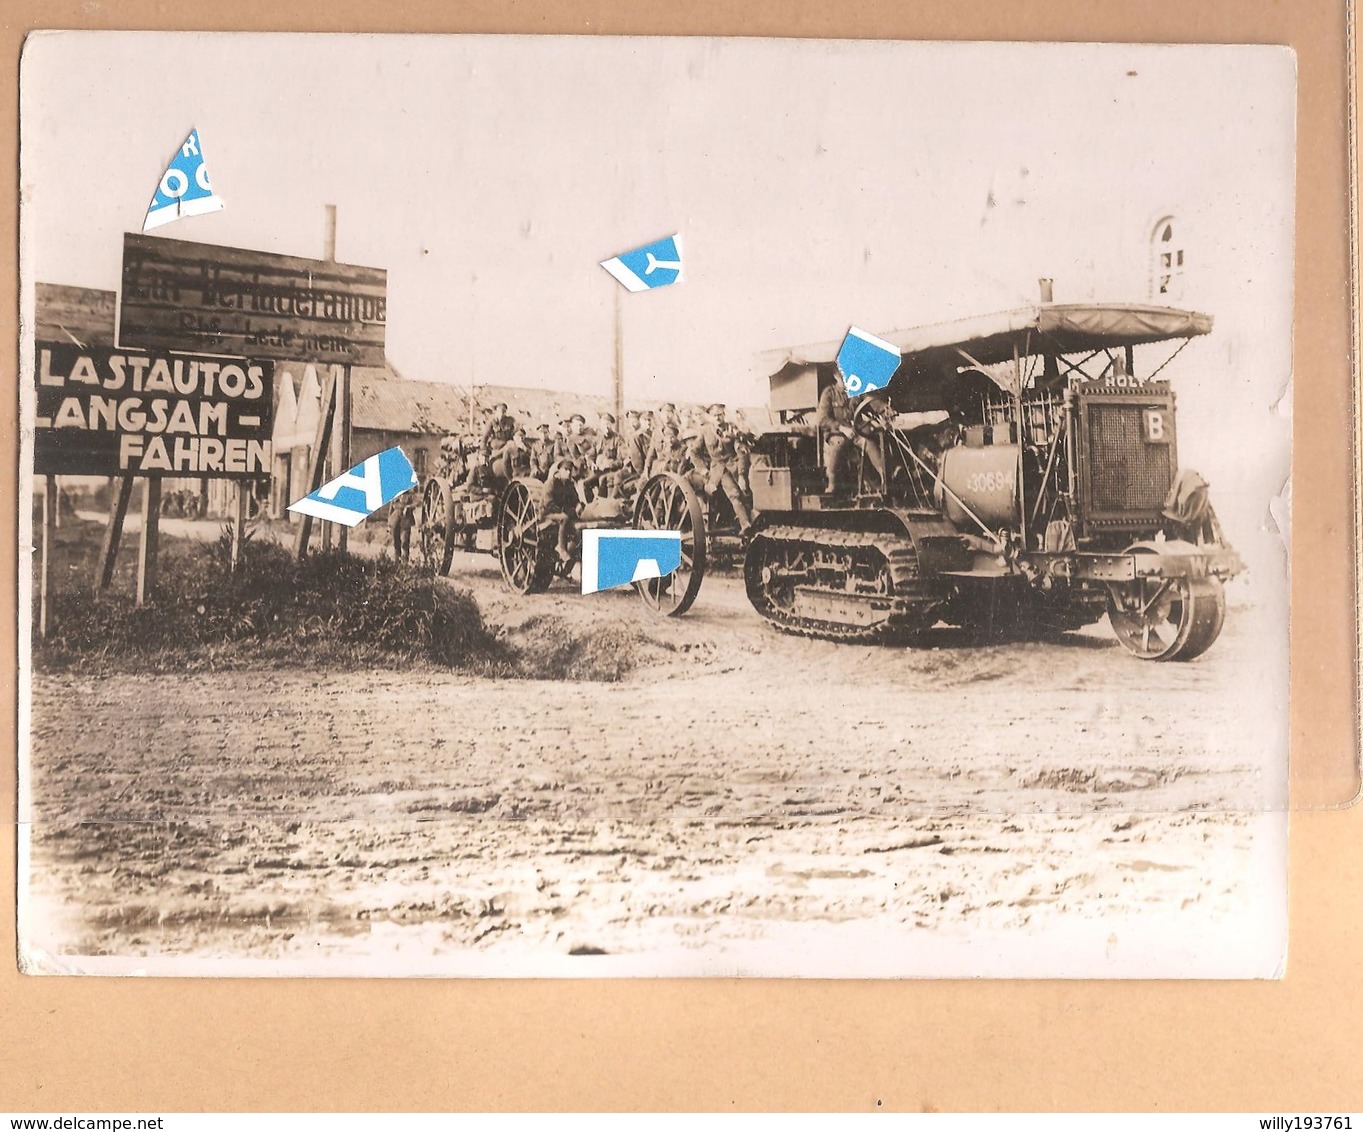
[1166,260]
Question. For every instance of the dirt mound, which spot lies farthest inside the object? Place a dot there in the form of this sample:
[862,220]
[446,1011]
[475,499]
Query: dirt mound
[549,647]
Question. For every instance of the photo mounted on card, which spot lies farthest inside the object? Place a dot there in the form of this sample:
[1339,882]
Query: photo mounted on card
[824,514]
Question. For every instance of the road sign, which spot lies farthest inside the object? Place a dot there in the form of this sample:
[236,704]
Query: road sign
[866,362]
[183,189]
[654,265]
[106,412]
[617,558]
[180,295]
[353,496]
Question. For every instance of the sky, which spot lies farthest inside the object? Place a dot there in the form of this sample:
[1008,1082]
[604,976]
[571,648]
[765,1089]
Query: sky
[815,185]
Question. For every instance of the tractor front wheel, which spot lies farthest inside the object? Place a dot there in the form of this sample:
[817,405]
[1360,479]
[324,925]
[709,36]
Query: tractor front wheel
[1167,618]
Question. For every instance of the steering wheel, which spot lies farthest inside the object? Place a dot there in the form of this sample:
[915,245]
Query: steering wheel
[866,406]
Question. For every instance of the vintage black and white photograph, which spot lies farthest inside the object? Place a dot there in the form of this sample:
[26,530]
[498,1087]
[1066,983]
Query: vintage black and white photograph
[580,506]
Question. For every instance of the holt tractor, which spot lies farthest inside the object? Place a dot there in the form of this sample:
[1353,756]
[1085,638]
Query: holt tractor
[1017,476]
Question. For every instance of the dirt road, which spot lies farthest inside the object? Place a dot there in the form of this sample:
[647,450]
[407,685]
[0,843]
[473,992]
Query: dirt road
[743,801]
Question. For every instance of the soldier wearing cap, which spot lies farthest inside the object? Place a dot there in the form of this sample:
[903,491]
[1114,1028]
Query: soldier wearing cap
[496,436]
[833,419]
[574,444]
[564,503]
[604,477]
[516,455]
[646,437]
[633,456]
[541,451]
[666,414]
[670,453]
[695,462]
[721,447]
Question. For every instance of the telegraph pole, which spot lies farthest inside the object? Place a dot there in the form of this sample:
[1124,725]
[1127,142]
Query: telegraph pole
[341,444]
[619,366]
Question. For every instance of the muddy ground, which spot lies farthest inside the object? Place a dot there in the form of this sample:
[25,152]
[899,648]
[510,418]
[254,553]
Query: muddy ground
[741,801]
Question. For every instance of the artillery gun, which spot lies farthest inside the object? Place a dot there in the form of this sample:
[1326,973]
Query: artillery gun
[517,521]
[1031,483]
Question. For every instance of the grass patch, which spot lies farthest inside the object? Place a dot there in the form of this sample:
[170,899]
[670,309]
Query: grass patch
[327,609]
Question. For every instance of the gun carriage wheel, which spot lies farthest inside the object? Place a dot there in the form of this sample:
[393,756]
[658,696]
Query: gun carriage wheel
[437,526]
[1167,618]
[525,544]
[667,502]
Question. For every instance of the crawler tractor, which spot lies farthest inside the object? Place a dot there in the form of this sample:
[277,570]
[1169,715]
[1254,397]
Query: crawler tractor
[1031,484]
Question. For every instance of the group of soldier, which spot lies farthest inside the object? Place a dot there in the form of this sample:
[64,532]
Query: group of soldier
[582,464]
[612,459]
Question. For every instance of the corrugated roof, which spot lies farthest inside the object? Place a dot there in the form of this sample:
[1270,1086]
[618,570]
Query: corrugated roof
[393,404]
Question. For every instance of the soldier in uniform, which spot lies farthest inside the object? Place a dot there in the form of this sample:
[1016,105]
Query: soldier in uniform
[670,455]
[743,442]
[633,456]
[609,459]
[695,461]
[646,436]
[574,444]
[402,514]
[541,452]
[563,505]
[453,466]
[833,419]
[648,424]
[574,448]
[721,446]
[481,478]
[496,436]
[517,455]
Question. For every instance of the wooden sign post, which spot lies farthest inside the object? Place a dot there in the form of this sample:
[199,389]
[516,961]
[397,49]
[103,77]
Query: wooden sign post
[330,448]
[342,440]
[318,458]
[149,544]
[113,533]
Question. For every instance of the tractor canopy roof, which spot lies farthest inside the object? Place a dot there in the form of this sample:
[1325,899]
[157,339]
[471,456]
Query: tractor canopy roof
[1048,328]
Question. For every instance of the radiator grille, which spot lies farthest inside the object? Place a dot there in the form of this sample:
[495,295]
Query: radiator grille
[1126,474]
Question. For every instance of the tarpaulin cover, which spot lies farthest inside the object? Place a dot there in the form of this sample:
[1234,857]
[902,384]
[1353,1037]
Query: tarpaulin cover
[1066,328]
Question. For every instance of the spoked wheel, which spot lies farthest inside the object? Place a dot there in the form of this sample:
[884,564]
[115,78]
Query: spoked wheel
[525,551]
[667,502]
[437,526]
[1168,618]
